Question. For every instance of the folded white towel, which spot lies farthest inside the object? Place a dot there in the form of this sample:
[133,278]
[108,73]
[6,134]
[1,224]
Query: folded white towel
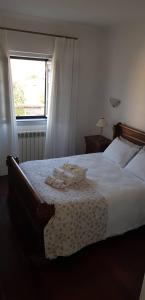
[67,175]
[58,173]
[54,182]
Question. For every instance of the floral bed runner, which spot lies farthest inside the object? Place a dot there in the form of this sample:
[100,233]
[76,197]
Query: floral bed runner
[80,221]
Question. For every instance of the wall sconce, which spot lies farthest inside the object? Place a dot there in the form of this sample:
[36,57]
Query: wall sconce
[114,102]
[101,123]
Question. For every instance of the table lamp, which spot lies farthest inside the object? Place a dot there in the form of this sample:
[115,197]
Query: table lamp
[101,124]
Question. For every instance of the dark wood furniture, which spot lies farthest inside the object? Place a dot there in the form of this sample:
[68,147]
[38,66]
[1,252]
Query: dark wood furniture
[28,211]
[133,135]
[96,143]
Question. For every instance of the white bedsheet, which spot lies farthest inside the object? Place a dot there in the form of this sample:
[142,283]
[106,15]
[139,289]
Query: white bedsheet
[124,192]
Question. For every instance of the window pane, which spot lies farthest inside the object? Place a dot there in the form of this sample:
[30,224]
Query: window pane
[28,78]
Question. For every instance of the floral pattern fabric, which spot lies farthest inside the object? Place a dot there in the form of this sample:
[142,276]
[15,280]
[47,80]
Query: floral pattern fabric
[75,225]
[80,210]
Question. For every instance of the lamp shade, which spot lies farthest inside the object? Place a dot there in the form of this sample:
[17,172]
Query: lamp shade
[101,123]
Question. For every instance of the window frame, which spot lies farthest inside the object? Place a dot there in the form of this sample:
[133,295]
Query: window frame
[43,117]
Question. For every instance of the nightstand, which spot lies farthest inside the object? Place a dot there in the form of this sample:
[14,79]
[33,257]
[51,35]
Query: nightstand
[96,143]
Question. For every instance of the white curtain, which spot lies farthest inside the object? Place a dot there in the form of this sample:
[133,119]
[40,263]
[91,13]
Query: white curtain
[8,135]
[62,104]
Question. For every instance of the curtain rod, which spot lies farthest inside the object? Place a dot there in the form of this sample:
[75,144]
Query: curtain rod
[40,33]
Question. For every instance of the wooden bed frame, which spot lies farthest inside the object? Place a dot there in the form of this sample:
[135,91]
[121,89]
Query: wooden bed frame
[28,211]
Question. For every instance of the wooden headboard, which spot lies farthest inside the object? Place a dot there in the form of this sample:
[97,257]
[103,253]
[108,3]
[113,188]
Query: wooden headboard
[131,134]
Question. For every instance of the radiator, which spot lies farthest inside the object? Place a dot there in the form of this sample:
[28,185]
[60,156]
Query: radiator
[31,145]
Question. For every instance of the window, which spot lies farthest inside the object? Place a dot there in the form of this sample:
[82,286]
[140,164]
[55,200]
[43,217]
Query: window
[30,77]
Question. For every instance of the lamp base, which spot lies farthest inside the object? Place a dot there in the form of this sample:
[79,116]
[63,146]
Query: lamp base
[101,131]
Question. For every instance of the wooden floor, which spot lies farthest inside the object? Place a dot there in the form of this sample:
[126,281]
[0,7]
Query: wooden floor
[108,270]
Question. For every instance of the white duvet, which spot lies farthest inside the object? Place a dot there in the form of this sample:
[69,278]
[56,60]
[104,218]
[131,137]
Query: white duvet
[123,192]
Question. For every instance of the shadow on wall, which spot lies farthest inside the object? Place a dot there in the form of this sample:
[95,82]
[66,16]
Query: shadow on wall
[126,80]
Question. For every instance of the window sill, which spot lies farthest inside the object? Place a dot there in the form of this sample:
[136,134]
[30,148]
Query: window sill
[31,124]
[27,121]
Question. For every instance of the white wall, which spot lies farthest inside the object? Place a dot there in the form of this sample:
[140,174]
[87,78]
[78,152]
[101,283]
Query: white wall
[91,73]
[126,76]
[112,64]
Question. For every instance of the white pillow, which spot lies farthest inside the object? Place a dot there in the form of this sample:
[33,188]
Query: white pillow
[129,143]
[137,165]
[120,151]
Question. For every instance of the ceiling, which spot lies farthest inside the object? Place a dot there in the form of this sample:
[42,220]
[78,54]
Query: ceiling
[96,12]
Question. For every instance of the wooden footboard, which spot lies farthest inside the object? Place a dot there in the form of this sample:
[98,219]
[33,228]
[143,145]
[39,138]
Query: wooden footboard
[29,212]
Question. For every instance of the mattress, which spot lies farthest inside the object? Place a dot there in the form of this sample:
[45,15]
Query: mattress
[123,192]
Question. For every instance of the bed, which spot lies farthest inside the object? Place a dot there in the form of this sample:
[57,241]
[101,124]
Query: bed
[34,215]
